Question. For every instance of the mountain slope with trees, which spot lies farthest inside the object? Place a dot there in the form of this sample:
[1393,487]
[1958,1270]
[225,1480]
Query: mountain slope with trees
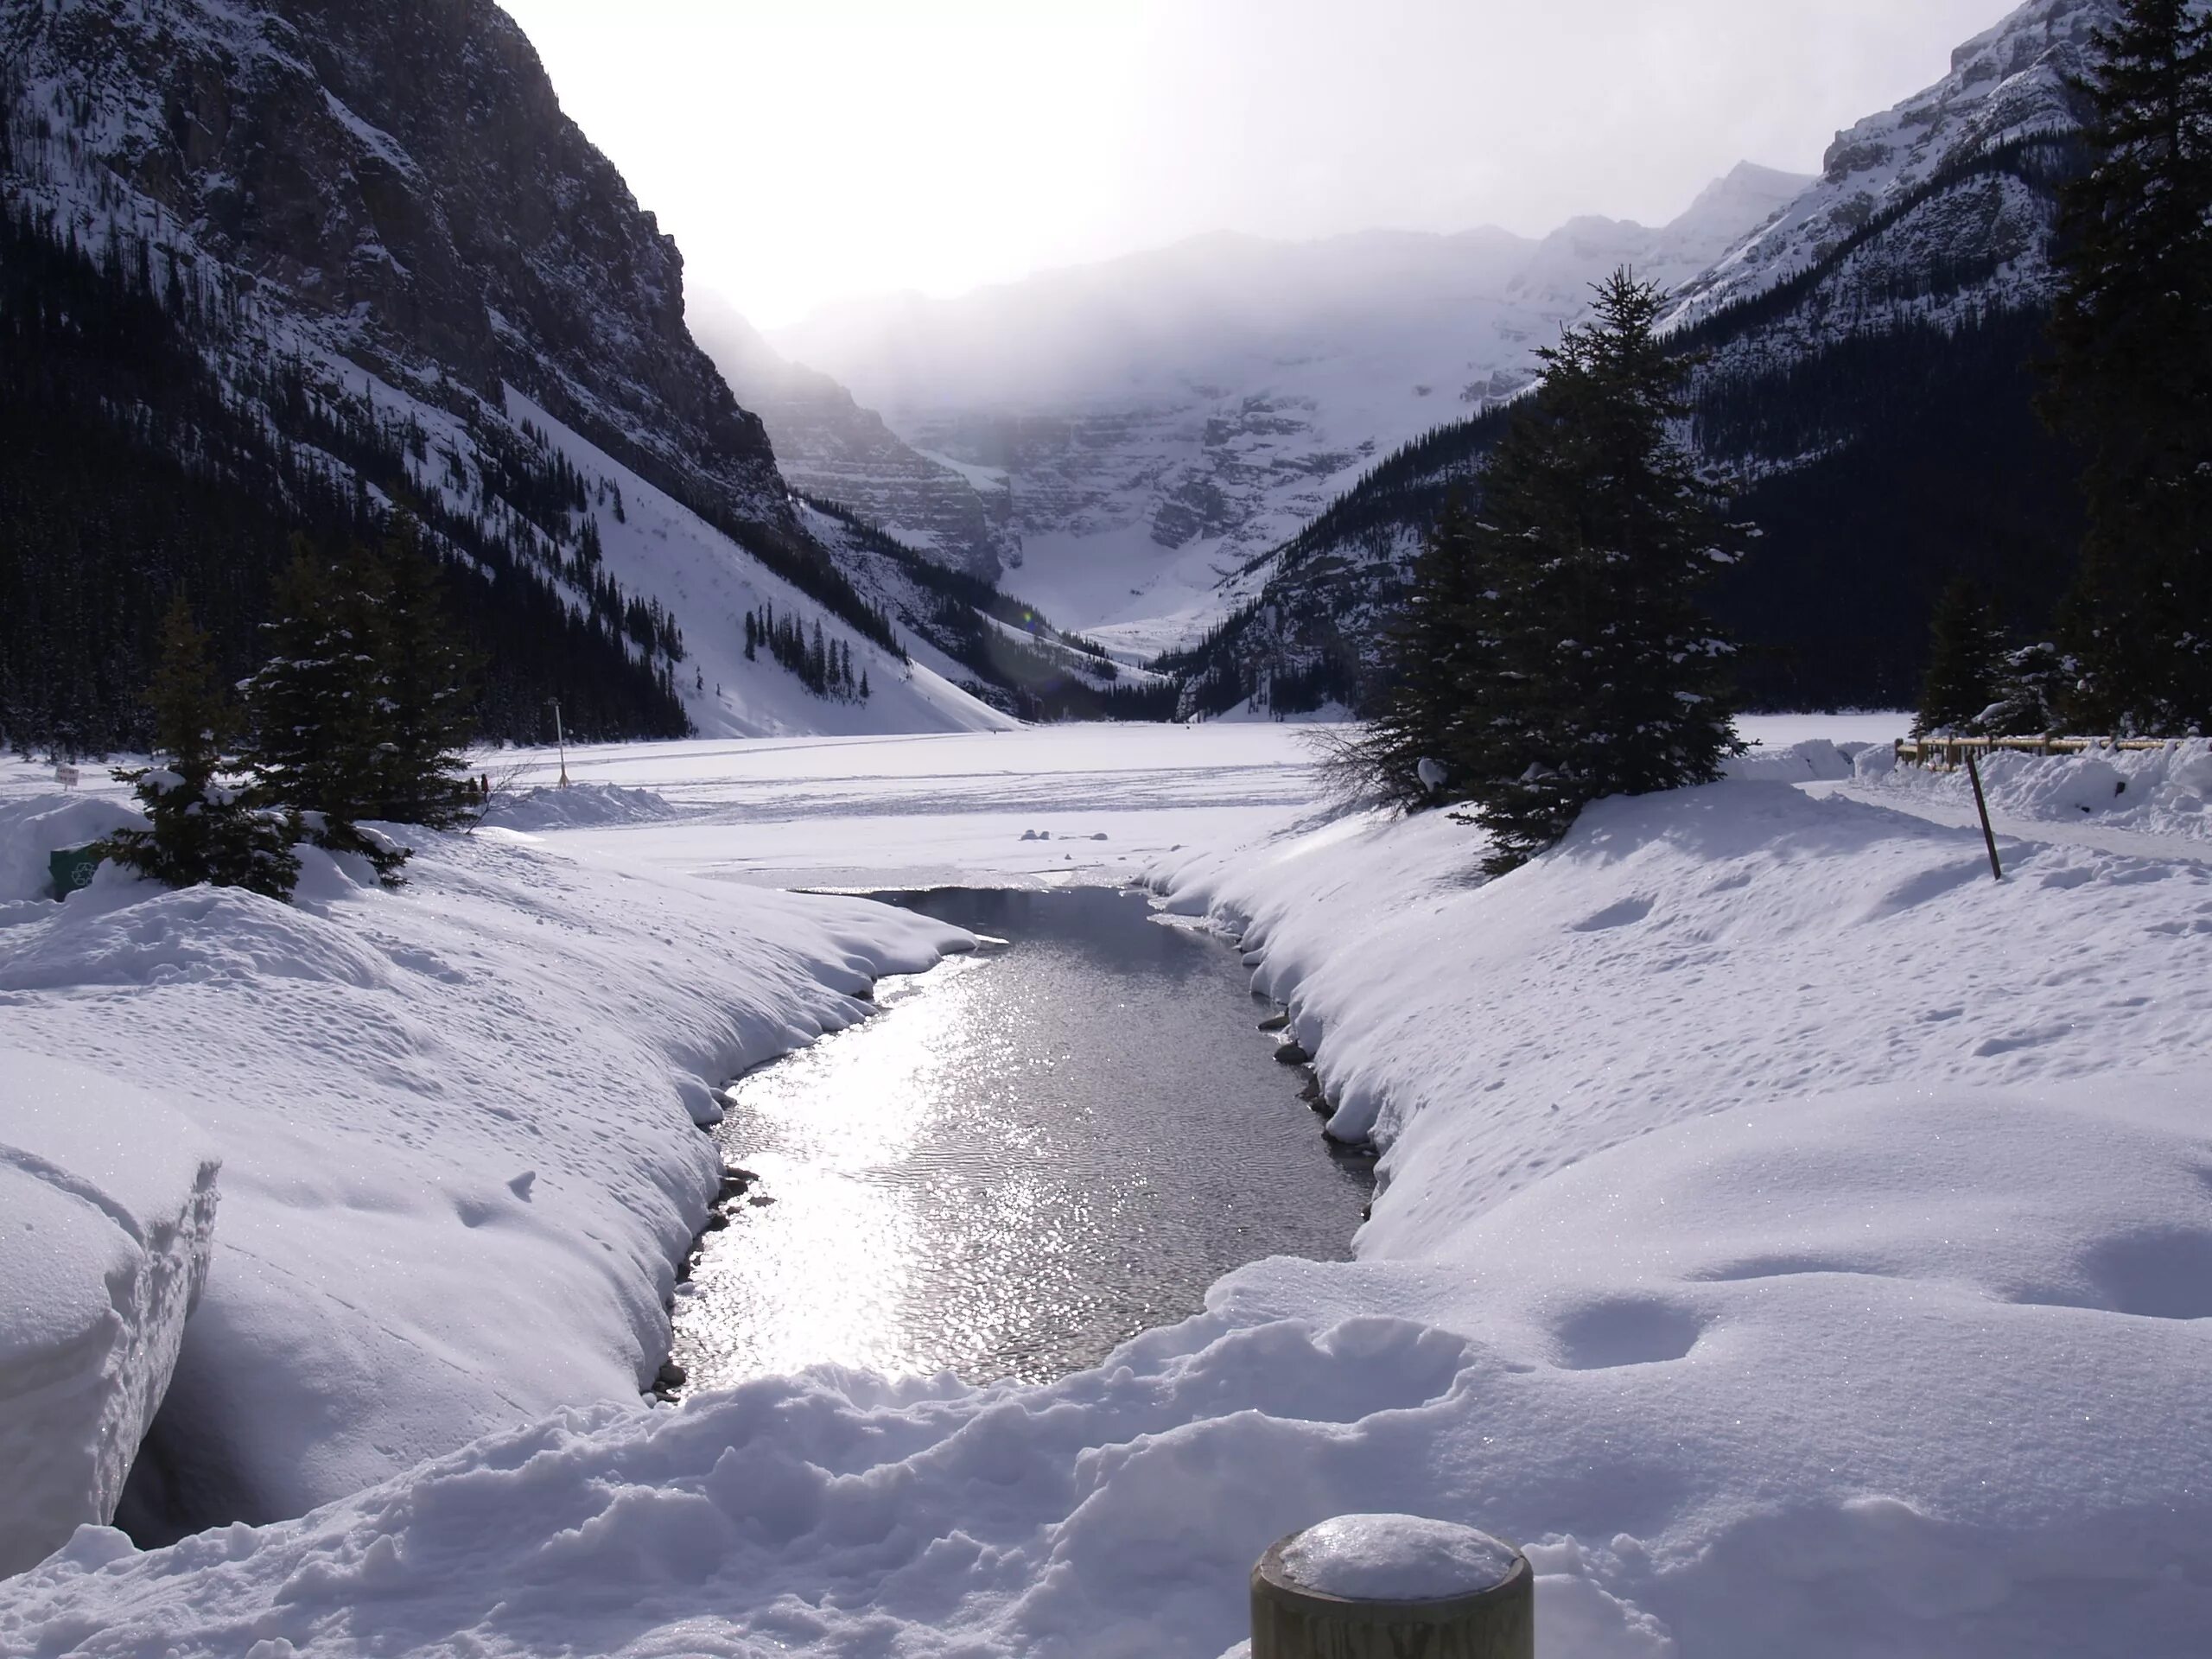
[1869,400]
[291,267]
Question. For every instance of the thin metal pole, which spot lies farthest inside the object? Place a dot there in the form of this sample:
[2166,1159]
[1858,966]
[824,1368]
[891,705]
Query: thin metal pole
[560,737]
[1981,805]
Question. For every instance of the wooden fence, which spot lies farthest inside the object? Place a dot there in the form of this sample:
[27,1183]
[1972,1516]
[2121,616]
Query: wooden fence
[1950,753]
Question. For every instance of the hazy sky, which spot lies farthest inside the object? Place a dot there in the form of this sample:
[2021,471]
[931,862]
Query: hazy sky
[805,150]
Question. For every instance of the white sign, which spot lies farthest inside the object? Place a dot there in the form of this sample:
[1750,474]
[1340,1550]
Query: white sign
[66,776]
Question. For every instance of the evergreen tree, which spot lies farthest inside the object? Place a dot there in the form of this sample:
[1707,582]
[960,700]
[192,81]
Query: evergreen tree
[2031,684]
[2132,380]
[319,705]
[1426,662]
[201,828]
[422,708]
[1591,670]
[1966,657]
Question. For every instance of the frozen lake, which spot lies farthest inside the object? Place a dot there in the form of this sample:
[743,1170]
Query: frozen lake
[1032,1155]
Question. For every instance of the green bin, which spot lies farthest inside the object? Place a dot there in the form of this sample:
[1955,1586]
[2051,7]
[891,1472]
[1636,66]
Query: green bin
[73,866]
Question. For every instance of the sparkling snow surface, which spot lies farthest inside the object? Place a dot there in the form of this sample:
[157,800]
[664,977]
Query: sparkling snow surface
[1797,1240]
[1396,1558]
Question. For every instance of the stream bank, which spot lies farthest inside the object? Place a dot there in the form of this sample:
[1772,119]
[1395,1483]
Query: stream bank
[1032,1155]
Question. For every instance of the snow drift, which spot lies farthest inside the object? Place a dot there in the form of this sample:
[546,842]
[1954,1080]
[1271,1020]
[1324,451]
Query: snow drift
[110,1200]
[456,1124]
[2162,791]
[1797,1241]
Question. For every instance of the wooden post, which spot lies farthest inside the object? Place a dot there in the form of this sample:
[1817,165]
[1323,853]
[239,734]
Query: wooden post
[1407,1589]
[1980,805]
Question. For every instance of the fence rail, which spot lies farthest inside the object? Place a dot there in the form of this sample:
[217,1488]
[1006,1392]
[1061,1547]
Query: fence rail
[1950,753]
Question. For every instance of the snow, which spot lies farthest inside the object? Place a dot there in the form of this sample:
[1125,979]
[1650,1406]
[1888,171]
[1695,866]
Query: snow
[577,807]
[872,813]
[2165,791]
[1395,1558]
[661,548]
[35,826]
[1172,416]
[110,1200]
[1797,1240]
[456,1124]
[1815,760]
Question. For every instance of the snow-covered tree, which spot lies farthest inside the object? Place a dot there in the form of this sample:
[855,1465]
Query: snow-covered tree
[1426,662]
[1591,669]
[1965,657]
[319,705]
[201,828]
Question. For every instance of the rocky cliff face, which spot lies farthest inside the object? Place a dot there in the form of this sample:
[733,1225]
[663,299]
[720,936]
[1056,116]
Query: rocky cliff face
[1158,422]
[830,447]
[400,176]
[410,280]
[2006,85]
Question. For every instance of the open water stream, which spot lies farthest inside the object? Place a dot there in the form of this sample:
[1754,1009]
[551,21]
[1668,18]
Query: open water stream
[1031,1154]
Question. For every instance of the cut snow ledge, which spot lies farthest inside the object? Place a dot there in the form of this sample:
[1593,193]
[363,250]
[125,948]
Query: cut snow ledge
[110,1204]
[1395,1558]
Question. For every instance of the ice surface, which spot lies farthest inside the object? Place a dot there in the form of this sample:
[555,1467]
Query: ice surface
[1396,1558]
[107,1212]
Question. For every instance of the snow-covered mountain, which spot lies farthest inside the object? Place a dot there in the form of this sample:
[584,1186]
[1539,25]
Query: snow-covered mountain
[828,446]
[2008,84]
[1157,420]
[1863,377]
[393,272]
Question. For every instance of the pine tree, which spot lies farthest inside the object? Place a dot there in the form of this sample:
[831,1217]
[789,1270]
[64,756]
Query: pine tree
[319,705]
[1424,663]
[423,711]
[1592,670]
[2132,380]
[201,828]
[1966,655]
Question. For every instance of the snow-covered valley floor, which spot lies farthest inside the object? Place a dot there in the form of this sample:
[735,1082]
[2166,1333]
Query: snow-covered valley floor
[1801,1243]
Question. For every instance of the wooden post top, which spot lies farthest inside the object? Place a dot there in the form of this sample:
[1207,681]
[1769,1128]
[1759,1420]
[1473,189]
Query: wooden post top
[1393,1586]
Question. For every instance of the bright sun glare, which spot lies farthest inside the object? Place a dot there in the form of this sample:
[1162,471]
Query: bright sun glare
[805,151]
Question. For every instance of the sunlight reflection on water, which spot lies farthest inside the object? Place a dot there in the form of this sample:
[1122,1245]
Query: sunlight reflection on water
[1026,1158]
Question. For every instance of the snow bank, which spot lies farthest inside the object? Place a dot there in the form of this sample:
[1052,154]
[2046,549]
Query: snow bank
[2164,791]
[579,806]
[456,1124]
[1683,953]
[34,826]
[1815,760]
[1794,1242]
[1897,1379]
[110,1205]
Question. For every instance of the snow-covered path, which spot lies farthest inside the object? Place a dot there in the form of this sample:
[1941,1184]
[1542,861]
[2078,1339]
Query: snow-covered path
[2022,831]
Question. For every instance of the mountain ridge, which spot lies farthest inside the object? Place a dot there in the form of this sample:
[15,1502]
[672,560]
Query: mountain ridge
[400,279]
[1156,422]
